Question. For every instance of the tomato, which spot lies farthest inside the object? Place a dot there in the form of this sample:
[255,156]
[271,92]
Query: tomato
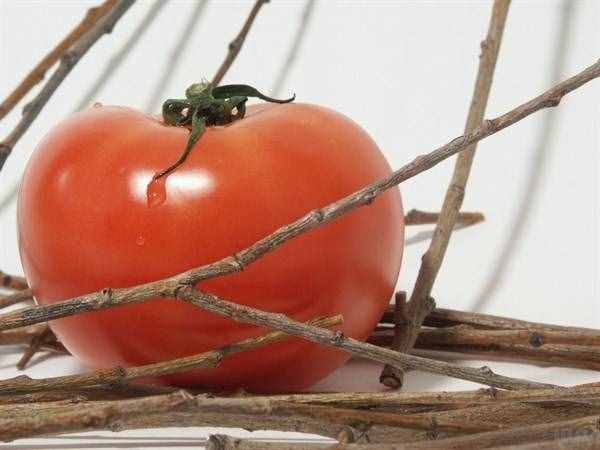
[86,221]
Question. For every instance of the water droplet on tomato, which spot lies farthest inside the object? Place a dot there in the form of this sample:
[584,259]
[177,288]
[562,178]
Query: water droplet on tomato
[97,105]
[140,240]
[156,192]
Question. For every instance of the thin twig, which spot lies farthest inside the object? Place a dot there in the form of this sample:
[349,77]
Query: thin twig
[398,398]
[167,287]
[17,297]
[418,217]
[91,418]
[443,317]
[24,336]
[236,45]
[516,435]
[419,305]
[68,60]
[493,439]
[38,73]
[245,314]
[12,281]
[176,409]
[463,345]
[118,375]
[549,356]
[589,441]
[223,442]
[464,335]
[342,416]
[466,420]
[183,42]
[34,346]
[117,58]
[20,336]
[293,52]
[78,395]
[400,321]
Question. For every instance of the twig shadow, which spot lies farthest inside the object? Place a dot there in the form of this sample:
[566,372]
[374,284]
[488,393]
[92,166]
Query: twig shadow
[539,162]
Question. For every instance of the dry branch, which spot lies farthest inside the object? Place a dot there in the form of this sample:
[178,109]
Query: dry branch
[245,314]
[442,317]
[418,217]
[513,346]
[119,375]
[37,342]
[91,418]
[389,375]
[12,281]
[517,435]
[583,428]
[223,442]
[13,299]
[497,339]
[179,417]
[68,60]
[551,356]
[20,336]
[76,415]
[281,414]
[474,397]
[38,73]
[420,305]
[236,45]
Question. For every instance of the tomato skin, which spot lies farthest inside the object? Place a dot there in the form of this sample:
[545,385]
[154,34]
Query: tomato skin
[86,222]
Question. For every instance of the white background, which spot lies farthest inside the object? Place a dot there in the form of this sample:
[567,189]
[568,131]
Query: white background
[405,71]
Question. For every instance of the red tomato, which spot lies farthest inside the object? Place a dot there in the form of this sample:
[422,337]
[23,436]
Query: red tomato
[85,223]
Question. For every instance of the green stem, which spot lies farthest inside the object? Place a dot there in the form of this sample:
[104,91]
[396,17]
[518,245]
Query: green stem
[206,106]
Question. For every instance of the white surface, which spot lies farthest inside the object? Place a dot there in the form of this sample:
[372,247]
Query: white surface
[405,71]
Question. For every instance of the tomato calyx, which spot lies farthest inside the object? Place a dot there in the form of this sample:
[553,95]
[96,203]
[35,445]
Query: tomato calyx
[205,106]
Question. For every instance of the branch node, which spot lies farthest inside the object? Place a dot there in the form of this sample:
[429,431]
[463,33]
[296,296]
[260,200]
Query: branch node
[485,370]
[369,197]
[107,297]
[536,339]
[318,215]
[217,442]
[70,58]
[338,338]
[116,426]
[240,266]
[118,376]
[26,108]
[489,124]
[553,101]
